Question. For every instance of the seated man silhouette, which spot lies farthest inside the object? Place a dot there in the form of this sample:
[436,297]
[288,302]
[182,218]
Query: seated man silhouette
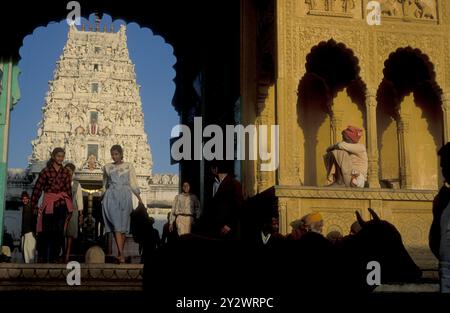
[346,161]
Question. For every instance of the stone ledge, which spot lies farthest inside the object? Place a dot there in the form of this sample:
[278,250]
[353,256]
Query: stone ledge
[62,286]
[352,193]
[408,288]
[58,272]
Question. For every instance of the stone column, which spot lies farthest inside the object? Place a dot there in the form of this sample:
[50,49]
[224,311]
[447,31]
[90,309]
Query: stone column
[403,143]
[336,125]
[371,138]
[446,116]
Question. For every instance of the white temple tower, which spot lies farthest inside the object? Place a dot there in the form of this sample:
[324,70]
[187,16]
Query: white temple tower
[93,102]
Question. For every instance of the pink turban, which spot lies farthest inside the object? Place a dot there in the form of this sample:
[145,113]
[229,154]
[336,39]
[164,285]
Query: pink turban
[353,133]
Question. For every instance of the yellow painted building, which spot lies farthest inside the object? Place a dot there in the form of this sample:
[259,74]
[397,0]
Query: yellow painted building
[315,66]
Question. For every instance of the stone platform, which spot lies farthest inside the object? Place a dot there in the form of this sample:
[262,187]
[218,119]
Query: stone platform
[128,278]
[52,277]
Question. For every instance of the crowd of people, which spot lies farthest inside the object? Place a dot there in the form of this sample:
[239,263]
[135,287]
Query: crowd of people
[50,228]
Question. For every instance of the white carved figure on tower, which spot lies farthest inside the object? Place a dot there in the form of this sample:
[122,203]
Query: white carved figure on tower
[93,123]
[92,159]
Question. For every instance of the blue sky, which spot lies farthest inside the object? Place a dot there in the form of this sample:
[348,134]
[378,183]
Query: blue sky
[154,62]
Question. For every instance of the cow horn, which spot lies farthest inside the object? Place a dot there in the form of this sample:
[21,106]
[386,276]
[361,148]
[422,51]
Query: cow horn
[360,219]
[374,215]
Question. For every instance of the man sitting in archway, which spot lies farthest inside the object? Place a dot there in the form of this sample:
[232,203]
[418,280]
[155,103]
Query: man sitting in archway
[346,161]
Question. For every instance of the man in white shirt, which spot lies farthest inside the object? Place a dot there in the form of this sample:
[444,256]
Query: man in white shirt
[346,162]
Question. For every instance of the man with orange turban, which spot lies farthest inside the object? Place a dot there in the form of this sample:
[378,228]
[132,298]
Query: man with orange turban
[346,161]
[314,222]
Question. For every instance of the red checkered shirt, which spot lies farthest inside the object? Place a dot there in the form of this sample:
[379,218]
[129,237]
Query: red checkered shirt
[50,180]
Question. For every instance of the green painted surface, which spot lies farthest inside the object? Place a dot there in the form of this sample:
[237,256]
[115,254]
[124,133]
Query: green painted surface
[9,96]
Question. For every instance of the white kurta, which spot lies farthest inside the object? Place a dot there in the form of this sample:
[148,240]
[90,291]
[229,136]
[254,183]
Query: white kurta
[358,156]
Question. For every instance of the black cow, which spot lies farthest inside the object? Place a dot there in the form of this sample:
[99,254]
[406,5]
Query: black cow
[379,241]
[309,265]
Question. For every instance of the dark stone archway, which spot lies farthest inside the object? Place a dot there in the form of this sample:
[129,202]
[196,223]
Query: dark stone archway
[204,35]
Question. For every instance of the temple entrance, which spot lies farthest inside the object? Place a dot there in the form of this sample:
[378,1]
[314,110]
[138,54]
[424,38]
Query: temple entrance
[331,96]
[207,68]
[94,102]
[410,120]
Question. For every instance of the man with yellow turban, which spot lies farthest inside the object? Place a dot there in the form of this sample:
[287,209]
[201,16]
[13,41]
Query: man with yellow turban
[346,162]
[314,222]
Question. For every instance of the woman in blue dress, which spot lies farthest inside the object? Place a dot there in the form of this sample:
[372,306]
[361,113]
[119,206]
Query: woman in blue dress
[119,183]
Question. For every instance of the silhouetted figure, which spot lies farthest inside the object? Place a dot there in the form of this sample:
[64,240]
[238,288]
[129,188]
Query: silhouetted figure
[440,227]
[222,217]
[166,231]
[268,234]
[297,229]
[8,240]
[334,236]
[168,235]
[355,228]
[141,227]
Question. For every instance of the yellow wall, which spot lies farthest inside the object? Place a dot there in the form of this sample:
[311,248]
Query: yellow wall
[388,148]
[314,121]
[424,135]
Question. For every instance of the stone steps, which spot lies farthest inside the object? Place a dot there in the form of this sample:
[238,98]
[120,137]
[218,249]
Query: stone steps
[52,277]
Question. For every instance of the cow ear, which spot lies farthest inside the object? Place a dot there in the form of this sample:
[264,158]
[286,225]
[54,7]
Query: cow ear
[374,215]
[360,219]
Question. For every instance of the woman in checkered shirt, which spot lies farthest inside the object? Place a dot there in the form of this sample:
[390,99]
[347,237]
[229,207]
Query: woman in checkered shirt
[55,181]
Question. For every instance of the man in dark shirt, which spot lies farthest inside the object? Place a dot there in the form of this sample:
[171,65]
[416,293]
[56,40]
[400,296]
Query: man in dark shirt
[28,242]
[167,235]
[225,205]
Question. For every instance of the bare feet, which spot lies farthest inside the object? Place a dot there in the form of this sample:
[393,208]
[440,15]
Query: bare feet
[120,260]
